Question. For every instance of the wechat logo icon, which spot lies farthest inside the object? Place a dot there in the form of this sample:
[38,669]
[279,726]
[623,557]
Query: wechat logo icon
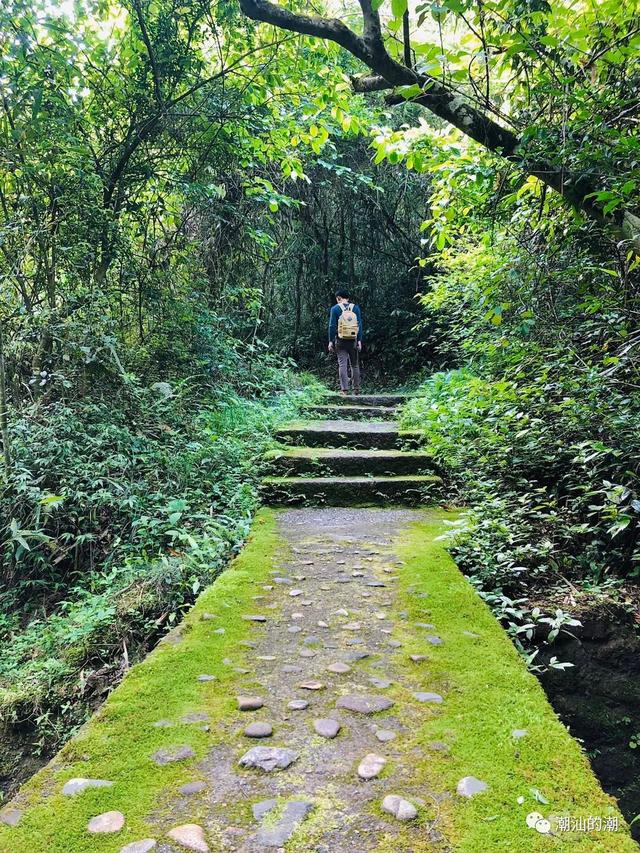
[538,822]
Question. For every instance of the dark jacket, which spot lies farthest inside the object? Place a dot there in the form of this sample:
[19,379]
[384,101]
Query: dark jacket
[333,321]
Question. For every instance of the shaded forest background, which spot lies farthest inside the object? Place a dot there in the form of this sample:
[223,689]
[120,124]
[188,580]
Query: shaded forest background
[182,189]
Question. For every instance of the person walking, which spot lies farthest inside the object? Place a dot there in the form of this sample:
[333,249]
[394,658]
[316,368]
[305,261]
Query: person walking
[345,339]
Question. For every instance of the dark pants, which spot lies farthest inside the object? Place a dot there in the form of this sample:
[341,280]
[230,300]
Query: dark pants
[347,352]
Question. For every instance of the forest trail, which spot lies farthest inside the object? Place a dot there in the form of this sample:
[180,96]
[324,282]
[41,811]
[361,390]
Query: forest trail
[339,689]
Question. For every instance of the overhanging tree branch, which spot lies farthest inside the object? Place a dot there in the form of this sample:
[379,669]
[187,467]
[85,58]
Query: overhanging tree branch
[438,99]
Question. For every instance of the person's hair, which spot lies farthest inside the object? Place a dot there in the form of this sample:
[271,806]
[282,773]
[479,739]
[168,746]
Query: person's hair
[342,294]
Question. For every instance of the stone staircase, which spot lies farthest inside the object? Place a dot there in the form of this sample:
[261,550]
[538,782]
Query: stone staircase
[353,454]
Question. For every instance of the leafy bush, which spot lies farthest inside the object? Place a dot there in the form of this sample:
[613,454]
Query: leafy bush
[537,429]
[116,517]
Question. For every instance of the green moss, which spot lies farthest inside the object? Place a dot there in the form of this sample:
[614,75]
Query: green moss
[119,740]
[488,693]
[487,689]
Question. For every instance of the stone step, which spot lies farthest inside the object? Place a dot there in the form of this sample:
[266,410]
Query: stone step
[383,435]
[347,491]
[350,463]
[340,411]
[369,399]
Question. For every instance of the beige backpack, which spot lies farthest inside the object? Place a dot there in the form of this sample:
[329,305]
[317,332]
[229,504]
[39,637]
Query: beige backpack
[348,326]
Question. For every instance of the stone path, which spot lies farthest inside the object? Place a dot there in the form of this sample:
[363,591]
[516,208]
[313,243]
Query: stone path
[317,751]
[328,708]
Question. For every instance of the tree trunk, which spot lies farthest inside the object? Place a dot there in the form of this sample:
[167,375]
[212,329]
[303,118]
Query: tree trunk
[4,417]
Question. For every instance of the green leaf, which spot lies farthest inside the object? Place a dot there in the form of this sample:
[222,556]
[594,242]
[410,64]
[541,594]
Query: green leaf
[398,8]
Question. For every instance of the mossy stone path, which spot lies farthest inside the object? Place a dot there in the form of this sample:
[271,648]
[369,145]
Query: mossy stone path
[339,689]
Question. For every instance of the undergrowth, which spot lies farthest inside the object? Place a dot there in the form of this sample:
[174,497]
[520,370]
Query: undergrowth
[116,517]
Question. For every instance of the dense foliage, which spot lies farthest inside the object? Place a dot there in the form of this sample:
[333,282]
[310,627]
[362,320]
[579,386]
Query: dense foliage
[174,190]
[537,428]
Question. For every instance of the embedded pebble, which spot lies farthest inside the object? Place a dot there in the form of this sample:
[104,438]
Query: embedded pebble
[395,644]
[206,678]
[417,658]
[312,685]
[342,612]
[371,766]
[326,727]
[106,822]
[287,581]
[311,639]
[398,807]
[307,653]
[143,846]
[260,809]
[207,617]
[258,730]
[172,754]
[77,786]
[268,758]
[435,641]
[518,733]
[428,697]
[298,705]
[297,615]
[193,788]
[253,617]
[469,786]
[296,592]
[381,683]
[191,836]
[425,625]
[294,629]
[322,624]
[10,817]
[339,668]
[266,657]
[249,703]
[219,631]
[364,703]
[385,735]
[289,667]
[352,626]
